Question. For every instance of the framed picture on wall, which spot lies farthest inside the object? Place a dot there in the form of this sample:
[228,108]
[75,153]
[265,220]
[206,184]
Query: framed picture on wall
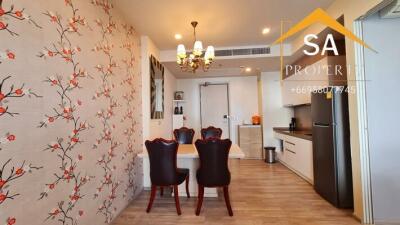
[178,95]
[156,88]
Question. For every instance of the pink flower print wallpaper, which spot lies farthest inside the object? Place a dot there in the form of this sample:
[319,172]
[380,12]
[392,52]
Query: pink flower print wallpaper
[70,112]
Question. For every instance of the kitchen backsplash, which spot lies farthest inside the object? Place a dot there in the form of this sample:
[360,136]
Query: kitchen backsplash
[303,117]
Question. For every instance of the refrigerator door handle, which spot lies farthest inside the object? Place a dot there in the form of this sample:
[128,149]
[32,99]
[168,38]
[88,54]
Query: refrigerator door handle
[321,125]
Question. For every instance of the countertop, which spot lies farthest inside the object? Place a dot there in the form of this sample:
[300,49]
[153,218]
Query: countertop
[303,134]
[249,125]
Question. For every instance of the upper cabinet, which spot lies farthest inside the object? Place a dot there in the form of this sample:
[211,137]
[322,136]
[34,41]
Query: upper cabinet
[302,80]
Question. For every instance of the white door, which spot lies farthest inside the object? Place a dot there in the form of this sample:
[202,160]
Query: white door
[214,106]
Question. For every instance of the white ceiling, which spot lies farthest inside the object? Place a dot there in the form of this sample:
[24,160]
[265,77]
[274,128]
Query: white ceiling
[229,67]
[221,22]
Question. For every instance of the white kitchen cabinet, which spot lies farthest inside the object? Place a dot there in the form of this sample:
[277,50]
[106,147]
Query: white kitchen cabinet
[305,158]
[297,155]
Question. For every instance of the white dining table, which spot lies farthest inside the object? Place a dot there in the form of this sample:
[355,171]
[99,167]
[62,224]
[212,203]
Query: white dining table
[188,158]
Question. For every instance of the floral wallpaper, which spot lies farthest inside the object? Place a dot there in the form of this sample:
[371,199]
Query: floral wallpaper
[70,112]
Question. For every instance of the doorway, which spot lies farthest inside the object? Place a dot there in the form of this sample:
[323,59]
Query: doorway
[377,108]
[214,107]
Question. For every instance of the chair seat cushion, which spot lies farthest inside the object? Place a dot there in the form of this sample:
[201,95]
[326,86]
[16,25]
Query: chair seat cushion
[182,174]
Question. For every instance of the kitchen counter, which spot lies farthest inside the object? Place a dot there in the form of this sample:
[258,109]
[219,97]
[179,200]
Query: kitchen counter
[295,151]
[303,134]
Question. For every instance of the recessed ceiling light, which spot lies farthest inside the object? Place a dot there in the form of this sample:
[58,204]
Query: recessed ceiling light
[266,30]
[248,69]
[178,36]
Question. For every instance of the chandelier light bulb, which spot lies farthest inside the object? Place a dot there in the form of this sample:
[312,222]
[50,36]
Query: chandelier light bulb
[210,55]
[181,51]
[198,48]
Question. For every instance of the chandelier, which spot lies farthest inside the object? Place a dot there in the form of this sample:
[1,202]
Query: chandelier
[196,59]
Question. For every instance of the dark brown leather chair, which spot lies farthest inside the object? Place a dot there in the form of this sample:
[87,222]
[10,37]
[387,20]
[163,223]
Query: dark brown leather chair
[163,169]
[213,171]
[184,135]
[211,132]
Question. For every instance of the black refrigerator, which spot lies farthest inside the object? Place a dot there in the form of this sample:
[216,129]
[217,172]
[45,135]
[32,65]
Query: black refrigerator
[331,146]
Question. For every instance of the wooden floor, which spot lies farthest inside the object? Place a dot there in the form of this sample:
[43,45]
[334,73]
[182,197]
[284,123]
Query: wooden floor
[261,194]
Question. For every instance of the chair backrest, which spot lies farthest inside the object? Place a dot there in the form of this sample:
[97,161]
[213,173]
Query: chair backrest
[184,135]
[211,132]
[213,153]
[162,156]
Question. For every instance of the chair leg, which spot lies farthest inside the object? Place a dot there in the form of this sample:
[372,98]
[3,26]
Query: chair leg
[227,200]
[161,191]
[176,195]
[152,196]
[200,199]
[187,186]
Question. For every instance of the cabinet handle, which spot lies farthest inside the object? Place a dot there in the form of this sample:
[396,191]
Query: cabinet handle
[290,143]
[290,151]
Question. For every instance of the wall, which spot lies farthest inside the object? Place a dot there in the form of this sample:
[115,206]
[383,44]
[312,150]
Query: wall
[69,112]
[351,10]
[382,97]
[243,100]
[156,128]
[274,114]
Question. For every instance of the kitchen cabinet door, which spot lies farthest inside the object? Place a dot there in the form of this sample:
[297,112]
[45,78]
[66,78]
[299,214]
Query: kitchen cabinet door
[305,159]
[250,141]
[297,155]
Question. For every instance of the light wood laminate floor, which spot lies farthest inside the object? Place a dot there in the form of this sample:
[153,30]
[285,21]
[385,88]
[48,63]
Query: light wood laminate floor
[260,194]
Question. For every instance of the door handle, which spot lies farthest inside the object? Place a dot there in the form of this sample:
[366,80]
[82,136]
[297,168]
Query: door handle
[320,125]
[226,117]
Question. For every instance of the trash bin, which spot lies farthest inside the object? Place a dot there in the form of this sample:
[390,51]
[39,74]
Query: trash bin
[269,153]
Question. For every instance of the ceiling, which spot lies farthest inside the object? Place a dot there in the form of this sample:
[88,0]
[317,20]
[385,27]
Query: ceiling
[221,22]
[229,67]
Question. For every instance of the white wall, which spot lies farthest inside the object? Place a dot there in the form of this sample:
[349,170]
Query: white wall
[163,127]
[242,96]
[155,128]
[274,114]
[383,112]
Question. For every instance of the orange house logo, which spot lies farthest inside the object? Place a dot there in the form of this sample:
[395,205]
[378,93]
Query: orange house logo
[320,16]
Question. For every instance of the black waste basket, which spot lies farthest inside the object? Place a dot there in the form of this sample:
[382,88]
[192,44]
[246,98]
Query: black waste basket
[269,153]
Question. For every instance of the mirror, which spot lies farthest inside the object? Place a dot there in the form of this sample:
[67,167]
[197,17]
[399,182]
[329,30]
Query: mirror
[156,88]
